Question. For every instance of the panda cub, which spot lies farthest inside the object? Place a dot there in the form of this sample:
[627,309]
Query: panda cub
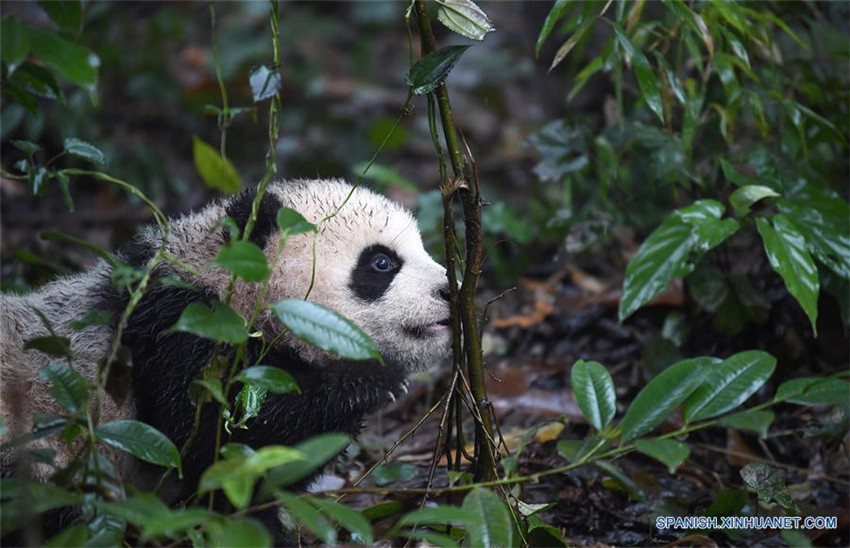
[370,266]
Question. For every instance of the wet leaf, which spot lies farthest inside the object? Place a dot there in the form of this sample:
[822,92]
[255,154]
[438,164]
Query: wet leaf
[316,452]
[729,384]
[67,14]
[52,345]
[14,42]
[351,520]
[465,18]
[787,253]
[752,421]
[657,400]
[221,323]
[571,43]
[824,221]
[431,70]
[242,532]
[671,453]
[324,328]
[394,472]
[265,83]
[744,197]
[822,392]
[67,386]
[244,259]
[492,526]
[693,20]
[307,516]
[72,61]
[646,78]
[555,14]
[594,391]
[274,379]
[439,515]
[86,151]
[291,222]
[140,440]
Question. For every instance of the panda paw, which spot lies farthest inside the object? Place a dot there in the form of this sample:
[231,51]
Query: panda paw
[399,391]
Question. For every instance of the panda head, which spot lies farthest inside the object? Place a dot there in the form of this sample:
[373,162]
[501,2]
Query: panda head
[370,266]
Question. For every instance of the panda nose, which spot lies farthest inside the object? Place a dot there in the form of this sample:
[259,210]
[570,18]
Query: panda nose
[444,293]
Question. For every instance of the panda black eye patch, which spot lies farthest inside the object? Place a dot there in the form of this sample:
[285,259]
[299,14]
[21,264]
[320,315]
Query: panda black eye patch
[376,267]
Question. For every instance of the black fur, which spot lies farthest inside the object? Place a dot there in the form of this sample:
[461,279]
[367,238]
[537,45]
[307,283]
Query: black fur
[369,283]
[239,209]
[334,396]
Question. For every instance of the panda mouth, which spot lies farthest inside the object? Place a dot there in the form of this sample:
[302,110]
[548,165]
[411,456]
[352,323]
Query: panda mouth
[432,329]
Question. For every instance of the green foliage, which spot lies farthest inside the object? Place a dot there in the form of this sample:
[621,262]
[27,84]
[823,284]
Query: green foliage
[433,69]
[464,17]
[326,329]
[141,441]
[216,170]
[710,111]
[220,323]
[594,390]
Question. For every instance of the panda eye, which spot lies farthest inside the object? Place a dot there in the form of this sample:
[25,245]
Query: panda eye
[382,263]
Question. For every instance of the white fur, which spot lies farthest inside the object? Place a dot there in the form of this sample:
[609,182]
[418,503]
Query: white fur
[361,221]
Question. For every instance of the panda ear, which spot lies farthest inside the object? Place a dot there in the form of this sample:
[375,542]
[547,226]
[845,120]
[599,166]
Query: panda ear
[239,209]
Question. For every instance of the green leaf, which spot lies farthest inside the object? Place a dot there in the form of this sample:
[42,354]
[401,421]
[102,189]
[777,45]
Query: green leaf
[14,42]
[824,221]
[431,70]
[175,523]
[86,151]
[200,390]
[753,421]
[242,532]
[67,14]
[326,329]
[142,441]
[274,379]
[67,386]
[822,392]
[236,482]
[236,477]
[594,391]
[291,222]
[662,256]
[787,253]
[251,399]
[571,42]
[729,384]
[221,323]
[308,516]
[438,515]
[51,345]
[743,198]
[76,535]
[316,451]
[72,61]
[265,83]
[465,18]
[794,387]
[672,251]
[394,472]
[621,480]
[693,20]
[353,521]
[27,147]
[492,525]
[657,400]
[554,15]
[244,259]
[217,172]
[647,81]
[670,452]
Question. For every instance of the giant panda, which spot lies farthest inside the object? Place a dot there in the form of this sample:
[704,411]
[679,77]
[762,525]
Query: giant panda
[370,266]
